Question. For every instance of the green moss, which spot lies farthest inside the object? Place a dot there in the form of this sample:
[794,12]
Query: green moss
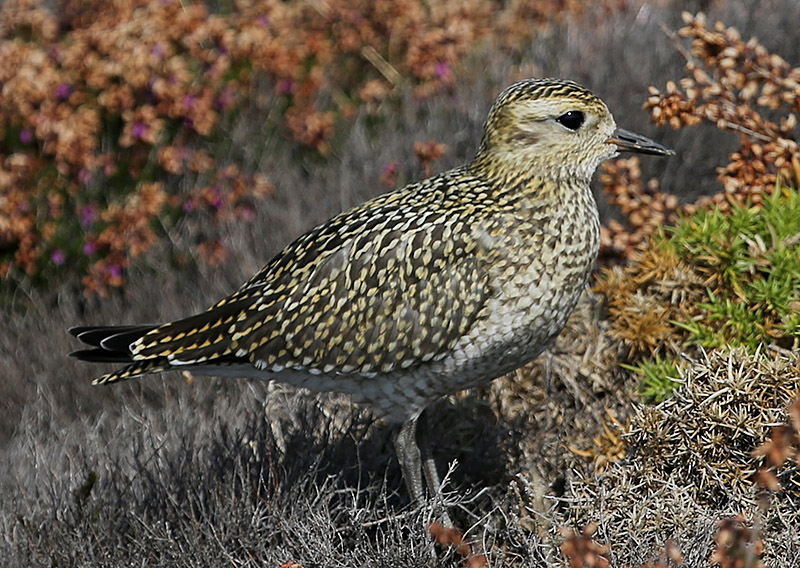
[660,378]
[750,260]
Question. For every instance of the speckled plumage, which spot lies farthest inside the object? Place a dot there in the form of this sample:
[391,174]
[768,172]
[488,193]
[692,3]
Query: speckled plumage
[439,286]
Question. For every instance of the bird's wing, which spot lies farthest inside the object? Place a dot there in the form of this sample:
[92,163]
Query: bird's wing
[383,287]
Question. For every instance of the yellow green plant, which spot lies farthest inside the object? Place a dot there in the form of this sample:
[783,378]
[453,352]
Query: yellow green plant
[749,260]
[659,378]
[716,278]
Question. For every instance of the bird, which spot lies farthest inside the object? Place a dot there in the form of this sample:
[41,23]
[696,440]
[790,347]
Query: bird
[439,286]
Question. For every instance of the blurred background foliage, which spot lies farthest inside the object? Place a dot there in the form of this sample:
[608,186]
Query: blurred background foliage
[116,116]
[108,107]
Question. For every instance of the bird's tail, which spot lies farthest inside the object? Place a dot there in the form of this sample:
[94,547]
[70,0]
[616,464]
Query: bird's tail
[111,344]
[193,342]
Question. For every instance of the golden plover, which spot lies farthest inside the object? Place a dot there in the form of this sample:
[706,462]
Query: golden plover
[439,286]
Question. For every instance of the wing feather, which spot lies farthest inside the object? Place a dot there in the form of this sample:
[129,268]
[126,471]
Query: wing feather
[379,288]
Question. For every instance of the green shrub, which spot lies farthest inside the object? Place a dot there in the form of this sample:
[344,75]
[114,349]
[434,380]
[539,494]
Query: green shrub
[660,377]
[750,262]
[715,279]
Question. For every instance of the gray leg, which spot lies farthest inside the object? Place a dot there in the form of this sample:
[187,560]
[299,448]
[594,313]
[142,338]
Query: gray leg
[410,463]
[429,467]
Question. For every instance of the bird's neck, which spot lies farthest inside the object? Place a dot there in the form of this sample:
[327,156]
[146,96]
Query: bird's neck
[519,179]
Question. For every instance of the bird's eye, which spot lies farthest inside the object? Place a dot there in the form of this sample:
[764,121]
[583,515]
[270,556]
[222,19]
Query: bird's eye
[572,119]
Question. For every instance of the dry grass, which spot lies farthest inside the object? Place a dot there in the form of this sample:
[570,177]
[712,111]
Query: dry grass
[690,464]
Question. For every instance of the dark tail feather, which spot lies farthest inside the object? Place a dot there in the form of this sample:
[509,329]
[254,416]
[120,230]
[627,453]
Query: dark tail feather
[197,340]
[111,337]
[99,355]
[111,344]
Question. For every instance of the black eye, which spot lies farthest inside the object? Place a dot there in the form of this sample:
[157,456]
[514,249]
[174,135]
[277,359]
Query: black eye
[572,119]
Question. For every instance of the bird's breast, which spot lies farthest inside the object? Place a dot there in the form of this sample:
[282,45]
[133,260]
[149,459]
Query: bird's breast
[538,261]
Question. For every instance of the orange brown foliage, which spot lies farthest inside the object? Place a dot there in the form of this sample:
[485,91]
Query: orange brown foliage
[736,85]
[737,546]
[783,445]
[452,537]
[103,101]
[583,552]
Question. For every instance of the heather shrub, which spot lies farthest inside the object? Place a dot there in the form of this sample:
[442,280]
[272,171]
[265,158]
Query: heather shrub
[114,113]
[99,120]
[722,270]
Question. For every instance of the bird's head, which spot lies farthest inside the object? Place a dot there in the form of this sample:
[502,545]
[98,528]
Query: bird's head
[557,128]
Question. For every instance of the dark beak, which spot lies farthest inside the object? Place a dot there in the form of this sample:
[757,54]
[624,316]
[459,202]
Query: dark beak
[627,141]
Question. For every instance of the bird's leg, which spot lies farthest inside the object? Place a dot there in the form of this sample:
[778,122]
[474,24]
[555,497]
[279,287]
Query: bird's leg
[429,467]
[413,462]
[409,457]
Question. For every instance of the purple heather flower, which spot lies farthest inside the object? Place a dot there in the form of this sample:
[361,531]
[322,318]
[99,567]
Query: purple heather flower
[58,257]
[114,270]
[63,91]
[188,206]
[442,69]
[89,248]
[158,50]
[139,129]
[264,21]
[26,136]
[216,202]
[286,86]
[189,101]
[247,212]
[84,176]
[225,99]
[87,216]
